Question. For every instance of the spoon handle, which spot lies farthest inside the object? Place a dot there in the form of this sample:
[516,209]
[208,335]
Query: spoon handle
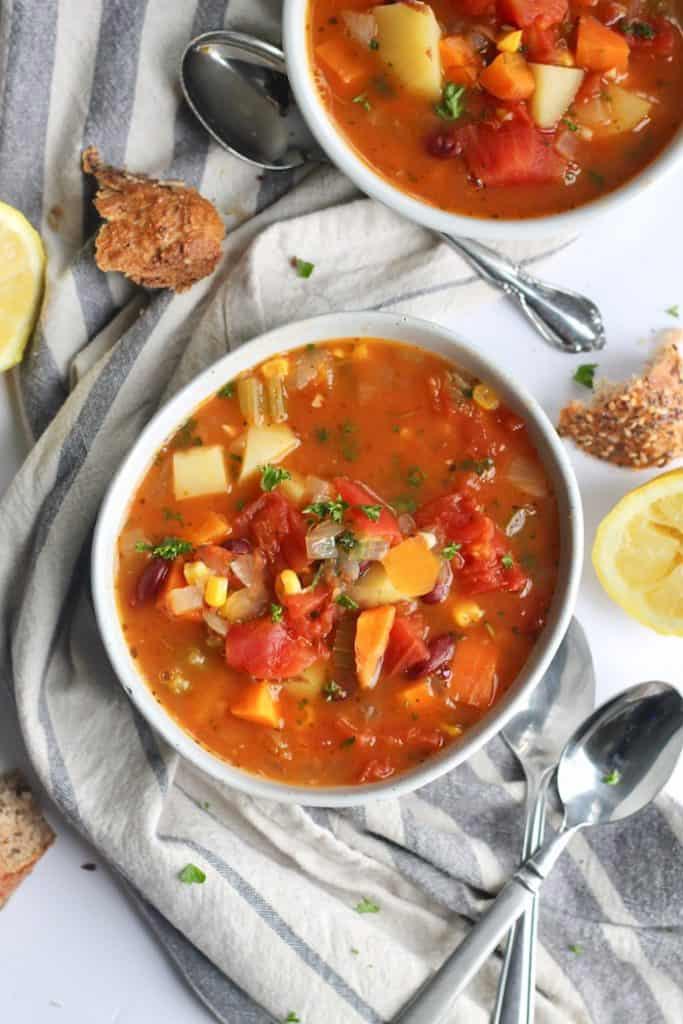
[437,995]
[565,319]
[516,985]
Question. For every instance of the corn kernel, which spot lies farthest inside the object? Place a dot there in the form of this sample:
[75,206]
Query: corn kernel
[195,573]
[510,42]
[339,353]
[216,591]
[278,367]
[318,401]
[467,613]
[485,397]
[451,730]
[360,351]
[287,584]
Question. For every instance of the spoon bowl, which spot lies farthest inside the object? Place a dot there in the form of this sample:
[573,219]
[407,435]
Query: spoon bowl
[237,88]
[622,756]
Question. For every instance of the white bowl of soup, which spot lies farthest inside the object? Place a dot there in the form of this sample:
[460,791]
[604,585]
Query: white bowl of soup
[335,563]
[492,118]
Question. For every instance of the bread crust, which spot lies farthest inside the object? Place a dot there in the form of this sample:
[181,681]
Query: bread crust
[24,834]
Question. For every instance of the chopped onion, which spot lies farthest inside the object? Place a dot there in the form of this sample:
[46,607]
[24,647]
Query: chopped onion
[442,586]
[361,27]
[348,567]
[307,367]
[343,655]
[518,520]
[407,524]
[251,401]
[216,623]
[528,476]
[185,599]
[371,549]
[317,489]
[245,604]
[247,569]
[320,542]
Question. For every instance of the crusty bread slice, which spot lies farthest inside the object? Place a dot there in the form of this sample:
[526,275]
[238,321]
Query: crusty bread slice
[639,423]
[24,834]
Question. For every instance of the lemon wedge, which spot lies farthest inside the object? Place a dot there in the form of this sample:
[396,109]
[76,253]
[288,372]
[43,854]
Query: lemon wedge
[638,553]
[22,278]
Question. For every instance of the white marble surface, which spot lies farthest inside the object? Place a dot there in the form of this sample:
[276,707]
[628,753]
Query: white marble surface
[71,945]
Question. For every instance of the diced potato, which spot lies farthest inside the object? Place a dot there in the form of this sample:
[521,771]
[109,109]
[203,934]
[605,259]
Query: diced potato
[266,446]
[556,88]
[199,471]
[628,109]
[375,588]
[309,684]
[294,489]
[408,36]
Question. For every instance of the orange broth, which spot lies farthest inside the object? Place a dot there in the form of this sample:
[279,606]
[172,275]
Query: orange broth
[405,424]
[393,130]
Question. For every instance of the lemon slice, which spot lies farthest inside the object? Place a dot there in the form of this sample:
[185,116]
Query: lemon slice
[638,553]
[22,276]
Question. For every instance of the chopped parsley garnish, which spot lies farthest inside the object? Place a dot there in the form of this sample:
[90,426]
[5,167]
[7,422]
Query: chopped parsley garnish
[235,457]
[374,44]
[333,691]
[452,104]
[303,267]
[227,391]
[585,375]
[322,434]
[415,477]
[597,178]
[638,29]
[366,906]
[316,576]
[363,101]
[335,509]
[575,949]
[271,476]
[478,466]
[673,311]
[186,437]
[276,612]
[571,125]
[169,548]
[373,512]
[346,540]
[354,951]
[292,1018]
[612,778]
[348,742]
[344,601]
[450,551]
[192,875]
[405,503]
[170,513]
[507,561]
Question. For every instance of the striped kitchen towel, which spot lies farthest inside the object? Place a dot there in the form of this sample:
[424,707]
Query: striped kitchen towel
[273,929]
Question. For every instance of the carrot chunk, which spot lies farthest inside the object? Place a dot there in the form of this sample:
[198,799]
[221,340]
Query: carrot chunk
[257,705]
[508,77]
[211,530]
[418,694]
[372,636]
[474,678]
[599,48]
[345,69]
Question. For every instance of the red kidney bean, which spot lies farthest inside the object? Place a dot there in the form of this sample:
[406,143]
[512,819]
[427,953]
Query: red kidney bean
[150,580]
[444,145]
[238,546]
[441,587]
[441,650]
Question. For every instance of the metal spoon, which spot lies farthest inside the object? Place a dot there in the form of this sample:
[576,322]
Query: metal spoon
[562,699]
[614,765]
[237,87]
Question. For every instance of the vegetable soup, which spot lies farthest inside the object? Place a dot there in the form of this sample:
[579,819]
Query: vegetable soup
[339,563]
[502,108]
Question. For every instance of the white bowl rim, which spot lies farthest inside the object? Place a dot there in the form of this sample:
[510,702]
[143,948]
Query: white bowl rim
[341,153]
[114,511]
